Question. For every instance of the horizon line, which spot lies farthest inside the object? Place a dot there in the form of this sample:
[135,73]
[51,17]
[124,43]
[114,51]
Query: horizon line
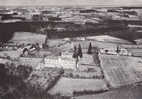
[77,5]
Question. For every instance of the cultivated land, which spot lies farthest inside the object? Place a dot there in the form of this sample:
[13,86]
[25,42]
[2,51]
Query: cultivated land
[45,78]
[121,70]
[66,86]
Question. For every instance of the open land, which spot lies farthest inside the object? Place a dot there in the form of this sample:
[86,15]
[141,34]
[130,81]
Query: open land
[121,70]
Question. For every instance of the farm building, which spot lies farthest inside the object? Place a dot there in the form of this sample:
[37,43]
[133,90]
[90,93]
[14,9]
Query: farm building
[108,51]
[66,61]
[60,62]
[115,51]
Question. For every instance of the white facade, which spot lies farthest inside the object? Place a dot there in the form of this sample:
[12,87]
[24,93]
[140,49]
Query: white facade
[60,62]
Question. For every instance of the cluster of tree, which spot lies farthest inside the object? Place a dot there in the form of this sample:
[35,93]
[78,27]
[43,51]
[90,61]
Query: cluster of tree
[78,52]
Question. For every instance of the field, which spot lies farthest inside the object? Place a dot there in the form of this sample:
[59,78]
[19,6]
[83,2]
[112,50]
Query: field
[27,37]
[130,92]
[44,79]
[121,70]
[66,86]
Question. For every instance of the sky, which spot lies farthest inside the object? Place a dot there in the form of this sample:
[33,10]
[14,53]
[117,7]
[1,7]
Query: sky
[73,2]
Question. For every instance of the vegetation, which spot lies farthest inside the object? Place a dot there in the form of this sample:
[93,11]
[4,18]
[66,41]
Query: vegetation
[118,50]
[80,51]
[90,49]
[83,75]
[87,92]
[12,81]
[75,52]
[14,84]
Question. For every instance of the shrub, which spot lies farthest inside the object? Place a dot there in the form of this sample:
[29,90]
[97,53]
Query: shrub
[85,92]
[70,75]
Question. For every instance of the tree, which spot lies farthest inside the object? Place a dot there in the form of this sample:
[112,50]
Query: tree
[80,51]
[118,49]
[75,52]
[90,49]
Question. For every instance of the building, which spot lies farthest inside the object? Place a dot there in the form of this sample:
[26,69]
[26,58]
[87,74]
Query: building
[114,51]
[110,51]
[60,62]
[68,63]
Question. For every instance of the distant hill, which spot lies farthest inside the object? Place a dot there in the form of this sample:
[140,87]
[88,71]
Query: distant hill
[117,29]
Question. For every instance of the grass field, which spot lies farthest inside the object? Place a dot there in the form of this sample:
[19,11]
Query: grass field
[66,86]
[121,70]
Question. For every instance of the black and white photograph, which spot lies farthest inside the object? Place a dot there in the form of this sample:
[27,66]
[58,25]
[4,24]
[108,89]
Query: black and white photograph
[70,49]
